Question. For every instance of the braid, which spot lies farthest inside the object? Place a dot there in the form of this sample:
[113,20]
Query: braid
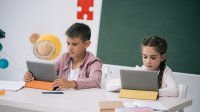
[160,46]
[160,75]
[157,42]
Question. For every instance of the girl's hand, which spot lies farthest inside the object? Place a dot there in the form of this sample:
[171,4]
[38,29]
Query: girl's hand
[63,83]
[28,77]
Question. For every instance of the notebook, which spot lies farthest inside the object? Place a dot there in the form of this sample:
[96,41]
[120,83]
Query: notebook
[11,85]
[42,71]
[139,80]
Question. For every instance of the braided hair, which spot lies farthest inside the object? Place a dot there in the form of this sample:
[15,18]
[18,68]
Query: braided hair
[160,46]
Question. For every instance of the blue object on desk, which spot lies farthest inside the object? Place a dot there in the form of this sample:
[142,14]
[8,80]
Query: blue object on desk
[52,92]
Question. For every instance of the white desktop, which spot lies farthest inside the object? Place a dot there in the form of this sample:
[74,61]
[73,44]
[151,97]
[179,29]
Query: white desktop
[86,100]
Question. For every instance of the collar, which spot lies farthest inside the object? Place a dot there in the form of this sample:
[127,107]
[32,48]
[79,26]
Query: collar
[69,61]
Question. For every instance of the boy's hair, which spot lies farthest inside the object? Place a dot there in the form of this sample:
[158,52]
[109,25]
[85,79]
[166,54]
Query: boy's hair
[79,30]
[160,46]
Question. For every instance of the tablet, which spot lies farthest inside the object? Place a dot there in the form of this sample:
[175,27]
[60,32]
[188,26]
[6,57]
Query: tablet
[42,71]
[139,80]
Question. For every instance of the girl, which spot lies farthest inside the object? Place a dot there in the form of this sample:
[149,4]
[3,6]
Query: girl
[153,51]
[76,68]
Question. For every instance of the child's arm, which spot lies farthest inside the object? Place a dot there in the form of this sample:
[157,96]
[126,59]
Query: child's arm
[94,79]
[169,85]
[114,85]
[58,64]
[63,83]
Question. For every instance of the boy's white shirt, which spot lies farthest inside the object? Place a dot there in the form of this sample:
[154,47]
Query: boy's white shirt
[169,84]
[73,75]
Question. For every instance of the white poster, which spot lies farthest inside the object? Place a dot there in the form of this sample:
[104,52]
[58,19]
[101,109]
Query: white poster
[21,18]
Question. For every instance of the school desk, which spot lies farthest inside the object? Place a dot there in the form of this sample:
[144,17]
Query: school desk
[86,100]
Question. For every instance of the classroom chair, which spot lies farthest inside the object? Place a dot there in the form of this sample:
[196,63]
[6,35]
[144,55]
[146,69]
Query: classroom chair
[182,92]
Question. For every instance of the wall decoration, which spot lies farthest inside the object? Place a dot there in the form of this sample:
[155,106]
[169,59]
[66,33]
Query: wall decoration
[85,9]
[3,62]
[46,47]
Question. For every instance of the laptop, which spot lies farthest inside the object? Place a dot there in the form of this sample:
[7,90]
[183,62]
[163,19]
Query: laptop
[139,80]
[42,71]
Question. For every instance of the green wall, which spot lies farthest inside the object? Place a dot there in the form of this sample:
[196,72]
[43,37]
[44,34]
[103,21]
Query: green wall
[124,24]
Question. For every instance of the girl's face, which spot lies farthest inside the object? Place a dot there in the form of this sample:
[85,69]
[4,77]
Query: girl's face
[151,58]
[76,47]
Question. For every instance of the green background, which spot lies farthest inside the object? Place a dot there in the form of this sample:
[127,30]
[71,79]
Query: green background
[124,24]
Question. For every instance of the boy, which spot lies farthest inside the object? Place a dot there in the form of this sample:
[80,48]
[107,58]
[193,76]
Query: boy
[76,68]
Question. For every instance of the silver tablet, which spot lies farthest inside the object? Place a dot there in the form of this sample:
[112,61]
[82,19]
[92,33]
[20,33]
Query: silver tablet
[42,71]
[139,80]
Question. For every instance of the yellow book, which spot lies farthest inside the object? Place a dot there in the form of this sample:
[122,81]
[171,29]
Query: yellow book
[138,94]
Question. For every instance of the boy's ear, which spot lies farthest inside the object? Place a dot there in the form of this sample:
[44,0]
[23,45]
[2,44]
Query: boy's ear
[87,43]
[163,57]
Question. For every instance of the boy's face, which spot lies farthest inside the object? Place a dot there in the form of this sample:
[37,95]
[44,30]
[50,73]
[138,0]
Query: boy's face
[151,58]
[76,46]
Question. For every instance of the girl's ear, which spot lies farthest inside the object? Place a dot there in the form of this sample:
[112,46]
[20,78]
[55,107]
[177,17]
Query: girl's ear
[87,43]
[163,57]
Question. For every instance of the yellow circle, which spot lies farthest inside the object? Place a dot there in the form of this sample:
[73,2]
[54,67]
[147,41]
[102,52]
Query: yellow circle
[55,41]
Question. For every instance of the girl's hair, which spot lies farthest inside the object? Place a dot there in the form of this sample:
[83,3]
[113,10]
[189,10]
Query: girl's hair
[160,46]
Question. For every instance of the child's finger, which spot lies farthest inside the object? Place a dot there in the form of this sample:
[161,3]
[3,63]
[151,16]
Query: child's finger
[56,84]
[60,77]
[28,73]
[29,77]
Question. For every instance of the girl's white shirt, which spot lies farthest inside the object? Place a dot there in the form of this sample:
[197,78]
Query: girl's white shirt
[169,85]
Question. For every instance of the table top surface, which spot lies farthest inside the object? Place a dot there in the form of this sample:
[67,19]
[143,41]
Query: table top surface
[86,100]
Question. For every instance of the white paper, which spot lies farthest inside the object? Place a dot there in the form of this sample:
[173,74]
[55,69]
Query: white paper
[152,104]
[11,85]
[128,104]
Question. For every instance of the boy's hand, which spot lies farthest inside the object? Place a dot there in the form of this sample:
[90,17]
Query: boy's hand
[63,83]
[28,77]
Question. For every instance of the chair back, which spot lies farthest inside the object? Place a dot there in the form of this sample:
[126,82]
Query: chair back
[182,90]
